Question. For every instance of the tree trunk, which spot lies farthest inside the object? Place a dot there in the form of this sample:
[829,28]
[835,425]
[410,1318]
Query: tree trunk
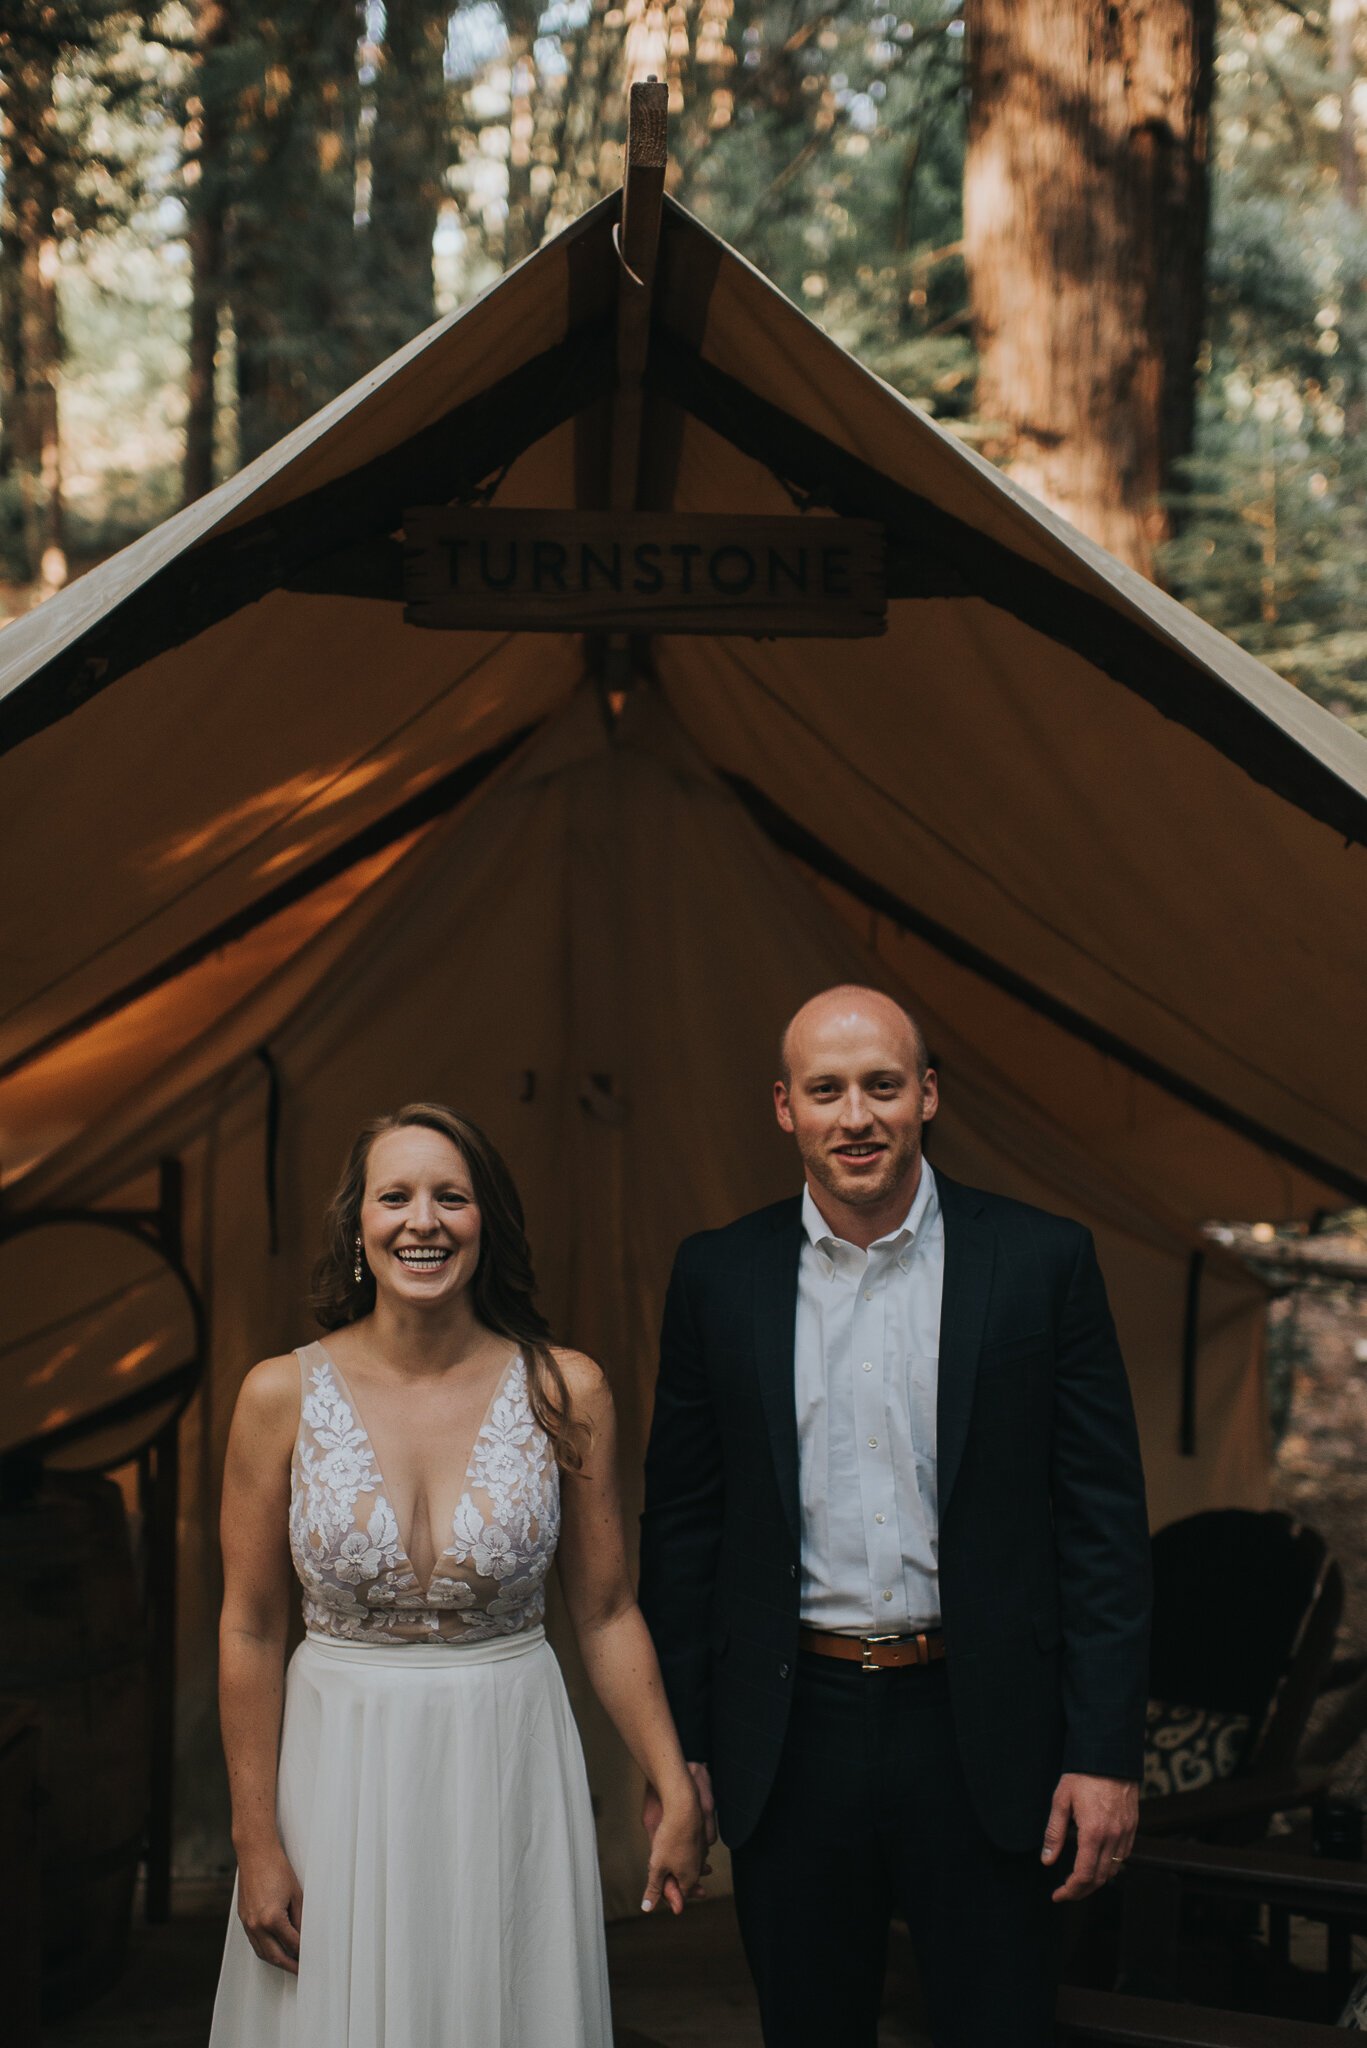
[1343,16]
[518,233]
[30,332]
[410,149]
[293,250]
[204,179]
[1085,209]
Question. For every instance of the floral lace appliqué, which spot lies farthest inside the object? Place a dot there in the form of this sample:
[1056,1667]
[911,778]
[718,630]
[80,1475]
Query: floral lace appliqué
[358,1585]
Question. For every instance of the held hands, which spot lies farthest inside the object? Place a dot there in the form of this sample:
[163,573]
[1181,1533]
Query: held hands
[681,1830]
[1105,1813]
[270,1905]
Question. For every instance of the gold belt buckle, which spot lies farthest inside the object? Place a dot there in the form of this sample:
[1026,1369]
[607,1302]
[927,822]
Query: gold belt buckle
[866,1643]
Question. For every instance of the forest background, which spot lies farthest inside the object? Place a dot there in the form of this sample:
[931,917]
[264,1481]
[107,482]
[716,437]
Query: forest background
[218,213]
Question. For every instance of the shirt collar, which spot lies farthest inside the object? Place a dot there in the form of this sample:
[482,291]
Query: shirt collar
[923,1206]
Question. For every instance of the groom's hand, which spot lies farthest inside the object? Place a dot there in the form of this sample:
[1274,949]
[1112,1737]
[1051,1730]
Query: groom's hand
[1105,1812]
[702,1778]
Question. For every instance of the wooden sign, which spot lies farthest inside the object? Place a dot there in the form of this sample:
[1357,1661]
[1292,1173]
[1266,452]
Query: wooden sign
[643,572]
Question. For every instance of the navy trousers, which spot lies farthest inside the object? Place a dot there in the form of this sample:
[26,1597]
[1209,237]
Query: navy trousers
[870,1813]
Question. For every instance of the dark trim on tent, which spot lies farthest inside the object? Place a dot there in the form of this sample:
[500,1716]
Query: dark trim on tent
[794,838]
[223,574]
[932,554]
[1191,1340]
[435,801]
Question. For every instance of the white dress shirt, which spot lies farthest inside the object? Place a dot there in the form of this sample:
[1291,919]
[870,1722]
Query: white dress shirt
[866,1377]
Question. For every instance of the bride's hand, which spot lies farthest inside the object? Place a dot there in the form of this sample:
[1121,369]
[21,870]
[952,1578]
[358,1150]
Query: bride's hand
[270,1905]
[654,1805]
[678,1852]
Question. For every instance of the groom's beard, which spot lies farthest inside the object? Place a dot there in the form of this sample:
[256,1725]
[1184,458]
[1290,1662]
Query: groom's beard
[862,1190]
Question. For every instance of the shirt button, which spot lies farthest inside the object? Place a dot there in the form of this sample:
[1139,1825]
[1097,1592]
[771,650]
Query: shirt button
[880,1518]
[783,1668]
[792,1571]
[868,1365]
[873,1443]
[887,1596]
[868,1294]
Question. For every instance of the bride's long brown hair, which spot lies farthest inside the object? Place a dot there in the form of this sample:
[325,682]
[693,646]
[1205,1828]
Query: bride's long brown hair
[503,1289]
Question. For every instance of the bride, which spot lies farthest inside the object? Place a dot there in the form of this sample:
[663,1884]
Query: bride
[415,1846]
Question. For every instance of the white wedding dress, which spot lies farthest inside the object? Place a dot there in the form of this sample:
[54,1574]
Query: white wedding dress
[432,1794]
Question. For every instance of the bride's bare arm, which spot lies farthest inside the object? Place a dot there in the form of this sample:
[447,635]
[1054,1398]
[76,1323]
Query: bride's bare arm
[614,1642]
[257,1589]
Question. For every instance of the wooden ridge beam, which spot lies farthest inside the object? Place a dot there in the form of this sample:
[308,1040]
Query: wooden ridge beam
[637,238]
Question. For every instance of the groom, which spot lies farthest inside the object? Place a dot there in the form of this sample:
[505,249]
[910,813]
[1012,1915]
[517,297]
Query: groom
[894,1558]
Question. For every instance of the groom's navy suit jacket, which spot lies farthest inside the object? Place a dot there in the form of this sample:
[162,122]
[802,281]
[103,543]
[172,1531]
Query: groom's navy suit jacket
[1043,1546]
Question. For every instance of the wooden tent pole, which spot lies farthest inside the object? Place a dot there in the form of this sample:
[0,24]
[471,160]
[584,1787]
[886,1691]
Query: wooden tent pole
[1191,1343]
[159,1487]
[159,1491]
[637,240]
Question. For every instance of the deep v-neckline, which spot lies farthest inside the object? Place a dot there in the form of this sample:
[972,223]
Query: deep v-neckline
[359,1422]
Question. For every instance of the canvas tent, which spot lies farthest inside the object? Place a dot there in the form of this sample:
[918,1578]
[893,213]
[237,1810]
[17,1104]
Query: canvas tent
[277,858]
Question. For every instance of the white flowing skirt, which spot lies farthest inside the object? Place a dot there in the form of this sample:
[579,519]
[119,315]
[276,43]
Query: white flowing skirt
[434,1804]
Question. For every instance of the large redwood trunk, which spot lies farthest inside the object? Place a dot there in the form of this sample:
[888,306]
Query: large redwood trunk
[292,269]
[1085,206]
[30,325]
[203,177]
[410,147]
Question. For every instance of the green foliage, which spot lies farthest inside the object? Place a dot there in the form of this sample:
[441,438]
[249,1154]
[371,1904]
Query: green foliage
[824,138]
[89,150]
[1272,510]
[123,309]
[840,176]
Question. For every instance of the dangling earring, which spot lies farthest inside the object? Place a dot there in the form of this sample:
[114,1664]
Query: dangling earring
[358,1270]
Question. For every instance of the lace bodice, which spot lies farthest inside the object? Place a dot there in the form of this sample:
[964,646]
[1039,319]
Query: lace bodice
[359,1585]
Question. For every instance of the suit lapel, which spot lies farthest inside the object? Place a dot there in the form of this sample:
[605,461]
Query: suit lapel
[970,1246]
[775,1312]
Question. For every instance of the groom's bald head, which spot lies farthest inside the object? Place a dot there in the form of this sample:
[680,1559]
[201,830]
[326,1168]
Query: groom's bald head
[856,1093]
[850,1010]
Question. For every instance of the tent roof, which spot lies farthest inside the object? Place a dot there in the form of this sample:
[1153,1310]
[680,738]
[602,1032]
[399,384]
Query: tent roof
[1047,773]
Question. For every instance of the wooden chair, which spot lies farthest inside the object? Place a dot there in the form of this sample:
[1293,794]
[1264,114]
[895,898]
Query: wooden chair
[1246,1609]
[19,1737]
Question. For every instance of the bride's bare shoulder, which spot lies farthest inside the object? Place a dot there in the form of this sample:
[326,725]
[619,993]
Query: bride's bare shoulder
[585,1380]
[269,1396]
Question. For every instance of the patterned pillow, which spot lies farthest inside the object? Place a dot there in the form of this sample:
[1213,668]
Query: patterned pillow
[1354,2014]
[1185,1747]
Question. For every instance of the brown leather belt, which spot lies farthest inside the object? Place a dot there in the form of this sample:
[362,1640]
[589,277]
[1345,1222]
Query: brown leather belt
[874,1653]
